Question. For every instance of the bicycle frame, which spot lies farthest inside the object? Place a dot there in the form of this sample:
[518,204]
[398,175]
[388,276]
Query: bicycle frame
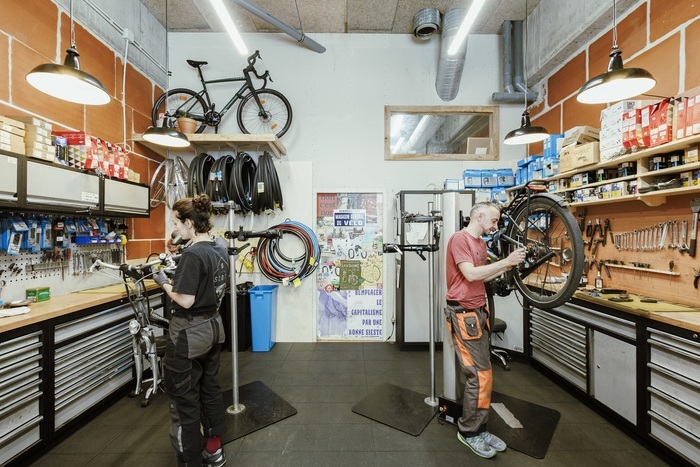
[204,93]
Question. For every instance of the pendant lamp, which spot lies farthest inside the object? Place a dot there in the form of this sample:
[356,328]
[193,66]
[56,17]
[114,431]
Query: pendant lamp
[527,133]
[617,83]
[68,81]
[164,135]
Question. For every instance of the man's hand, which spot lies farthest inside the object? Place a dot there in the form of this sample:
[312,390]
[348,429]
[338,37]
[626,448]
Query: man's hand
[160,278]
[516,257]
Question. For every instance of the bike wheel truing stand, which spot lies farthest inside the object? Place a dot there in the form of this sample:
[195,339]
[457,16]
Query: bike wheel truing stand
[252,406]
[391,405]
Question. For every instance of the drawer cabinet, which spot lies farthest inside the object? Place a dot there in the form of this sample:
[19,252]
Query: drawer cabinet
[674,392]
[20,394]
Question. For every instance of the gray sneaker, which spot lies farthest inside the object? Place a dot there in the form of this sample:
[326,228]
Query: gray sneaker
[494,441]
[216,459]
[477,444]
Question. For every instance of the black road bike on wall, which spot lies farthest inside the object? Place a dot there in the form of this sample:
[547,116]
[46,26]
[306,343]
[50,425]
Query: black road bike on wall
[261,111]
[542,224]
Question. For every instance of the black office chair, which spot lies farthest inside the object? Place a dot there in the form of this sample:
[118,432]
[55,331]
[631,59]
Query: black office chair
[498,327]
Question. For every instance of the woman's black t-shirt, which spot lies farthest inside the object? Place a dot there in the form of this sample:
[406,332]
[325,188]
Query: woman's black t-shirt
[203,271]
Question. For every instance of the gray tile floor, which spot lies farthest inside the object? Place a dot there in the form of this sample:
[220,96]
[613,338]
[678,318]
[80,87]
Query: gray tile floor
[323,381]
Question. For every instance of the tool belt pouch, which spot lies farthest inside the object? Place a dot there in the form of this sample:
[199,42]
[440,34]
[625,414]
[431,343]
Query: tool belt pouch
[468,325]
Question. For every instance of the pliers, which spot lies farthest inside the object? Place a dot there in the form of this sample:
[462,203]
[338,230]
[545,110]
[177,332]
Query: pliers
[606,230]
[697,276]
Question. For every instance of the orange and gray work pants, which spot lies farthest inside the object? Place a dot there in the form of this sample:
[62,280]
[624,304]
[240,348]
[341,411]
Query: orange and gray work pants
[192,383]
[469,329]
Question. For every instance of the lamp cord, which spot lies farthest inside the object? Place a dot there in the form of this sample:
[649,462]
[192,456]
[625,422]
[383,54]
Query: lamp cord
[614,29]
[525,56]
[72,26]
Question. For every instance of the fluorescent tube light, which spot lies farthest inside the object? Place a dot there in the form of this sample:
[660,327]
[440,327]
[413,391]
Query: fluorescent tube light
[230,26]
[465,26]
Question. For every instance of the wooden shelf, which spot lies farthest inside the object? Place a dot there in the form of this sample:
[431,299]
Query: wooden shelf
[216,142]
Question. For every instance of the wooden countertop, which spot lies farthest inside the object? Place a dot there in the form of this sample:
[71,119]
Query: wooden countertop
[682,316]
[66,304]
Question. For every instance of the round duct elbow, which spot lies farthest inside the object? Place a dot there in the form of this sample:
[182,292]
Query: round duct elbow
[426,23]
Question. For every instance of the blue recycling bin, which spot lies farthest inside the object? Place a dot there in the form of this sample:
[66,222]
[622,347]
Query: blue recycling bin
[263,316]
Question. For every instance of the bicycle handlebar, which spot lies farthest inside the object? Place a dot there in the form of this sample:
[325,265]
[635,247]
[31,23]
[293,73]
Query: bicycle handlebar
[254,57]
[137,271]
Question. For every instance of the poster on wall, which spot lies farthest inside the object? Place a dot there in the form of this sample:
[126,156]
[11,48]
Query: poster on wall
[349,278]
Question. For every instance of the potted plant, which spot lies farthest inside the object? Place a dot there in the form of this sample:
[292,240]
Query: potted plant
[186,123]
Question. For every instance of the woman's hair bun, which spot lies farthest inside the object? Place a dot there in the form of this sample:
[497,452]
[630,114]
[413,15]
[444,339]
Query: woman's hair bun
[202,203]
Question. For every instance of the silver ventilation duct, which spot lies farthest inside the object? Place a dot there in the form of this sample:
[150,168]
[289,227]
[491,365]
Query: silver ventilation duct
[450,67]
[513,69]
[424,131]
[426,23]
[265,16]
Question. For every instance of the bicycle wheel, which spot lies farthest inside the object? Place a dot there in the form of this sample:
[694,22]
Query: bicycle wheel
[181,102]
[158,185]
[276,118]
[554,258]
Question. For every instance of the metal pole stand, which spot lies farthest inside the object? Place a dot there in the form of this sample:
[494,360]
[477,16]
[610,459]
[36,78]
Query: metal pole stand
[398,407]
[262,406]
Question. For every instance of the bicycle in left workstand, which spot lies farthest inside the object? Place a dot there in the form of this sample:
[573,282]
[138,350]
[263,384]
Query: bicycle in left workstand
[145,343]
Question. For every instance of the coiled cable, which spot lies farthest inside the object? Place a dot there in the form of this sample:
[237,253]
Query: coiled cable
[267,193]
[280,267]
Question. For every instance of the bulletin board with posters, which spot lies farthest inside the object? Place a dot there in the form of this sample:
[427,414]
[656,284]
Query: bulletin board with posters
[349,278]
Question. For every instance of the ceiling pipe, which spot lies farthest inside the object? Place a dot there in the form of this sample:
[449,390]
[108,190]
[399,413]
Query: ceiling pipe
[510,95]
[508,56]
[450,67]
[265,16]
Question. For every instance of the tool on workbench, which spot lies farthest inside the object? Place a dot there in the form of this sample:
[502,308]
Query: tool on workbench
[695,206]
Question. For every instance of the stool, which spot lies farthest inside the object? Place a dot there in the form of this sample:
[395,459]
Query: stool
[499,327]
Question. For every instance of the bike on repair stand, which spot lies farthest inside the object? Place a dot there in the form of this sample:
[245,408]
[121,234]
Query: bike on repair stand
[145,343]
[261,111]
[542,224]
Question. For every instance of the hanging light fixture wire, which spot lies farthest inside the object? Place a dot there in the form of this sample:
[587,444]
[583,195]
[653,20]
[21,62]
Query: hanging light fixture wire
[527,133]
[617,83]
[164,135]
[68,82]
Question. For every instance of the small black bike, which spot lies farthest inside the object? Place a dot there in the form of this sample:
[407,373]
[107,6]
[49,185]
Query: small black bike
[261,111]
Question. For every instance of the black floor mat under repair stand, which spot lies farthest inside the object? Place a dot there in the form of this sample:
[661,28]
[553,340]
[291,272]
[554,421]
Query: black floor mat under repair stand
[254,405]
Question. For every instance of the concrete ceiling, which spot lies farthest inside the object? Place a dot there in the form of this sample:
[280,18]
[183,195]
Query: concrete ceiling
[331,16]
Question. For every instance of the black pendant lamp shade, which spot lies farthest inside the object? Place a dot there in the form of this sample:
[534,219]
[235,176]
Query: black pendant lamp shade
[527,133]
[617,83]
[68,81]
[166,136]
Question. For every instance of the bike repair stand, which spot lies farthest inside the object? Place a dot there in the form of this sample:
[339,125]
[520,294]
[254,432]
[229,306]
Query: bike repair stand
[394,406]
[258,406]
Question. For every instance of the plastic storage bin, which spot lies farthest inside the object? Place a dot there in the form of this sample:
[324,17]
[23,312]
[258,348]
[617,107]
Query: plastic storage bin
[263,316]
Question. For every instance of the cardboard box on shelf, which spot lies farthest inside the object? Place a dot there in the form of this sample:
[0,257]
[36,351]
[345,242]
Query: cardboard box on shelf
[580,135]
[691,155]
[29,120]
[696,116]
[679,120]
[618,108]
[689,112]
[574,157]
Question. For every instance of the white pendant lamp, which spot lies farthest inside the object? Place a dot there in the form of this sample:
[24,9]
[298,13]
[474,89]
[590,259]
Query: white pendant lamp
[164,135]
[617,83]
[527,133]
[68,81]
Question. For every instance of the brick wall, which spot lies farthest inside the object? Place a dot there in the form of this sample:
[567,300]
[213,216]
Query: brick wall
[33,32]
[661,36]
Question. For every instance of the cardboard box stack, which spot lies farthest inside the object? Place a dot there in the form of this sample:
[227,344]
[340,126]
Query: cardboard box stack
[85,151]
[37,139]
[612,129]
[12,135]
[580,148]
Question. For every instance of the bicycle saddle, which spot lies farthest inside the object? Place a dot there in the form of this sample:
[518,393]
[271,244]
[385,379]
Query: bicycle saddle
[196,63]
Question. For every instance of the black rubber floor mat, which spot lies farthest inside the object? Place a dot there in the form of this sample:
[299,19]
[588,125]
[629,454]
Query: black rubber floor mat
[538,425]
[262,408]
[397,407]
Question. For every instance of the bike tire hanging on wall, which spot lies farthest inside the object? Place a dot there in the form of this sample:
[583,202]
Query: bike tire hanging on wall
[241,181]
[267,192]
[199,174]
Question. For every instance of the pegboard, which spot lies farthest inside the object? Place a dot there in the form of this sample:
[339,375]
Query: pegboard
[64,270]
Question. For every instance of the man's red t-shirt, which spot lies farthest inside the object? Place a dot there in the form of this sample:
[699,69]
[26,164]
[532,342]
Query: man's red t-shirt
[463,247]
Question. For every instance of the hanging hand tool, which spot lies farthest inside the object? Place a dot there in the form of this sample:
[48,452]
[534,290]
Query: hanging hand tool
[683,246]
[589,229]
[595,242]
[695,206]
[697,276]
[606,229]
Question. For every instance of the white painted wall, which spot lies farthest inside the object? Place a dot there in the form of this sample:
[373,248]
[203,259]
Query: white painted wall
[336,142]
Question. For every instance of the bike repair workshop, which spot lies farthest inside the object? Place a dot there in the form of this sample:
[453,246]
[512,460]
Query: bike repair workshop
[416,232]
